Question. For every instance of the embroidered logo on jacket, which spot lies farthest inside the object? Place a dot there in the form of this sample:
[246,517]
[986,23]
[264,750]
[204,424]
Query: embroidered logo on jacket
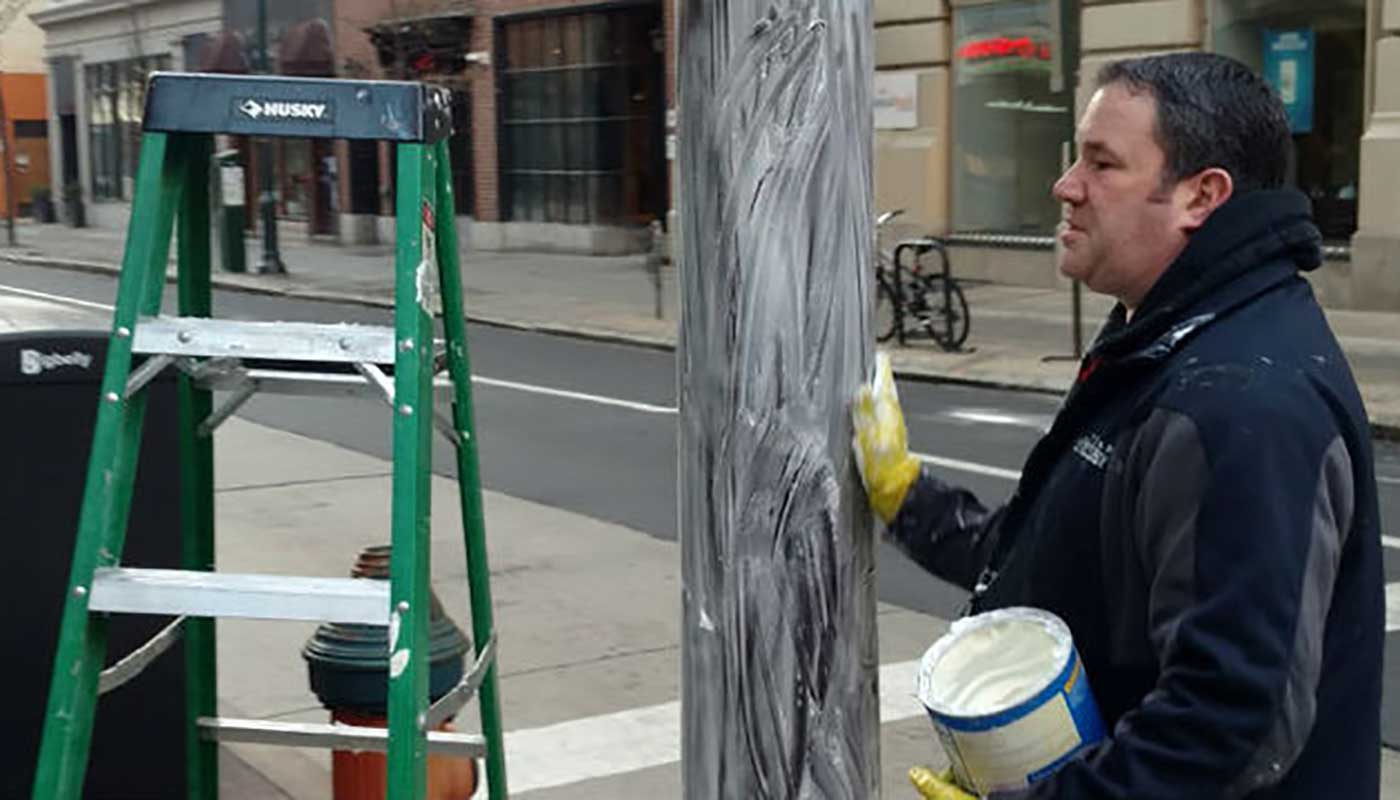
[1092,448]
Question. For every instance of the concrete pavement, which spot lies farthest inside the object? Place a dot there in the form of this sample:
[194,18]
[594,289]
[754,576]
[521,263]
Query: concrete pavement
[589,676]
[1019,336]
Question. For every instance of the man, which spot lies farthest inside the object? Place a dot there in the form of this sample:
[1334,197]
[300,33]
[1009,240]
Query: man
[1202,512]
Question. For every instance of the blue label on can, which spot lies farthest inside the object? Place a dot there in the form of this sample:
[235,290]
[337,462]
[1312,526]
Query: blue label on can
[1070,691]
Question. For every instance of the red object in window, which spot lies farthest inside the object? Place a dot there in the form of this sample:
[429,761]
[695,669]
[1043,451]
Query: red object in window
[1004,46]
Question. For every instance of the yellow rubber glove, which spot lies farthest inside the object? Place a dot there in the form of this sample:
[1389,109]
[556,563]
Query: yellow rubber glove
[937,786]
[881,442]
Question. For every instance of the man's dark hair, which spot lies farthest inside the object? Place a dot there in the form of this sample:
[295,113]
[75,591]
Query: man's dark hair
[1212,111]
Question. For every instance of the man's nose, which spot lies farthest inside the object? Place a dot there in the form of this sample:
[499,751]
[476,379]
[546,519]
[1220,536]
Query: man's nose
[1069,189]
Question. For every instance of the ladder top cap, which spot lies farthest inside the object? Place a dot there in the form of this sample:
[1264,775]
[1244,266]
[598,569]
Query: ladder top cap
[275,105]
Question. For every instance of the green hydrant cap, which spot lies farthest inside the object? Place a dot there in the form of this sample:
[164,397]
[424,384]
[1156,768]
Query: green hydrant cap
[348,664]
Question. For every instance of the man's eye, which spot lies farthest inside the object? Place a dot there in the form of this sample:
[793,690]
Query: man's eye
[1101,165]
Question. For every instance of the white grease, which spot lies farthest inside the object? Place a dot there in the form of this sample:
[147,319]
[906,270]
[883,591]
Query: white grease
[398,662]
[992,663]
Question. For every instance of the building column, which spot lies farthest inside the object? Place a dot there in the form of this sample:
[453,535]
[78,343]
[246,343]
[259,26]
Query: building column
[1375,249]
[1110,31]
[80,113]
[913,142]
[56,168]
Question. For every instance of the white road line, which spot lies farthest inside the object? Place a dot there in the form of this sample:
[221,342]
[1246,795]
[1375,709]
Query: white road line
[649,408]
[1392,607]
[503,384]
[968,466]
[641,738]
[984,417]
[568,395]
[56,298]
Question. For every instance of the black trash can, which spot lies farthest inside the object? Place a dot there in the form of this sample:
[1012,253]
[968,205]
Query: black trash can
[49,385]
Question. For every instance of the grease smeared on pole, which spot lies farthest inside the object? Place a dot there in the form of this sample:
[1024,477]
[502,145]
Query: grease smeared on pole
[779,657]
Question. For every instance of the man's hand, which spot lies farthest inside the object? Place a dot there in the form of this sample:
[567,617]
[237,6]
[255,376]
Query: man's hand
[937,786]
[881,442]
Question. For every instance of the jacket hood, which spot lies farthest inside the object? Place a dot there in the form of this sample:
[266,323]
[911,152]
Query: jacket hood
[1251,243]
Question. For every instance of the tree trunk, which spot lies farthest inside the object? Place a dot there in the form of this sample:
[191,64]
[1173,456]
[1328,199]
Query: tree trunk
[779,653]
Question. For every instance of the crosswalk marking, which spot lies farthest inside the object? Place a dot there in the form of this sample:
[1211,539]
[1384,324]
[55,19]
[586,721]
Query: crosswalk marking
[641,738]
[1392,607]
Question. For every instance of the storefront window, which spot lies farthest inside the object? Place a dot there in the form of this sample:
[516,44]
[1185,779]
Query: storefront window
[1313,52]
[116,98]
[1013,108]
[102,114]
[582,118]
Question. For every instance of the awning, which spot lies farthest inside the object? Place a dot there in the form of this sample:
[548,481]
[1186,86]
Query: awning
[306,50]
[225,52]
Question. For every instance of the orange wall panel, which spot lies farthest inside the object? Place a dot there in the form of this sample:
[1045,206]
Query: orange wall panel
[25,99]
[25,95]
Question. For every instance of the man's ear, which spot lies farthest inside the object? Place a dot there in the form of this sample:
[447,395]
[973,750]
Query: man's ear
[1206,191]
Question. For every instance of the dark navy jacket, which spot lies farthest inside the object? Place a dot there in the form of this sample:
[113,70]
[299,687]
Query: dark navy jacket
[1203,515]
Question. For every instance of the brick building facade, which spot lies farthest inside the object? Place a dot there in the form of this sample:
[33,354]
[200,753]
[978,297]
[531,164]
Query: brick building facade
[561,141]
[568,101]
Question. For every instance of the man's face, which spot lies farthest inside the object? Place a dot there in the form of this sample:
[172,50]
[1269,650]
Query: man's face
[1121,227]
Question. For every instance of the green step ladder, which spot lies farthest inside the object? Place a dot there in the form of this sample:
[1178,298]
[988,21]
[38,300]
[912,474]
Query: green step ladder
[183,111]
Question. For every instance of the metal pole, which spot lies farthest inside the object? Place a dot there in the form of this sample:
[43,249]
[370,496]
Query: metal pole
[6,166]
[271,262]
[779,642]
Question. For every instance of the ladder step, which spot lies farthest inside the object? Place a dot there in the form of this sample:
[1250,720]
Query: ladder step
[307,384]
[219,594]
[330,736]
[292,341]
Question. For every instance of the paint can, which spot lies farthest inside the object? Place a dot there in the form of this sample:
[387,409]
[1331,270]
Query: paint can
[1009,698]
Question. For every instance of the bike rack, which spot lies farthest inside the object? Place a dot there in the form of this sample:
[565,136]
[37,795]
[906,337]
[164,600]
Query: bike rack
[921,246]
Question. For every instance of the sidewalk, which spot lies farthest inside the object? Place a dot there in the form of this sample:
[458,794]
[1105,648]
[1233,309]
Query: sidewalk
[1014,329]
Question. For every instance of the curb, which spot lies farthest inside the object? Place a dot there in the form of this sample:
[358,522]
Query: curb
[1381,429]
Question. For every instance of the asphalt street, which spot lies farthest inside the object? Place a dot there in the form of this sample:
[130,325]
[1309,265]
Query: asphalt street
[590,427]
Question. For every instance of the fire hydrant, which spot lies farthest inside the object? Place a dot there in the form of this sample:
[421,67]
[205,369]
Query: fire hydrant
[348,667]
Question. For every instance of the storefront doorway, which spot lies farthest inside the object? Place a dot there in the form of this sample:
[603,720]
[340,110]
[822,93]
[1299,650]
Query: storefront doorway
[1314,53]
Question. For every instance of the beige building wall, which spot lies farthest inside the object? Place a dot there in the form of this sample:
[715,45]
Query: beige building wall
[21,41]
[1114,30]
[1373,281]
[912,38]
[912,168]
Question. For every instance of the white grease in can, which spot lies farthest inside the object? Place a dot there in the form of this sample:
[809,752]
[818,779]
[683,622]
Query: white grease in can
[1009,698]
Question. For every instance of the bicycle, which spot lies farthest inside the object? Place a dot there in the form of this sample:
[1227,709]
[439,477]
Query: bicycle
[905,296]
